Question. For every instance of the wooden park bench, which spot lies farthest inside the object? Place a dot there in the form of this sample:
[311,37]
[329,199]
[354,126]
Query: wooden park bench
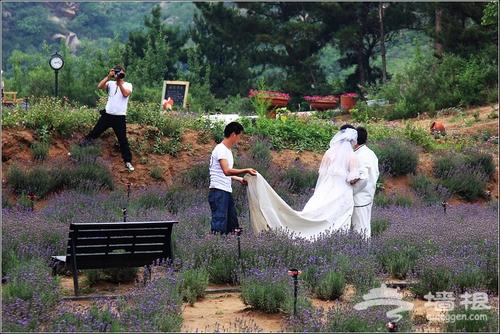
[116,245]
[9,97]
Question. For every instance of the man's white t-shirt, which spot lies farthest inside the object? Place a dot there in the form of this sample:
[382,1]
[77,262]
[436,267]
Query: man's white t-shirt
[217,177]
[117,103]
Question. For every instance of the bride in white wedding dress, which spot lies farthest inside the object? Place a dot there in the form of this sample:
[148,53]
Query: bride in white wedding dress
[330,207]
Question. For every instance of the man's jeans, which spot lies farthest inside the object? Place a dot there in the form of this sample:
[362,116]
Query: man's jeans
[224,218]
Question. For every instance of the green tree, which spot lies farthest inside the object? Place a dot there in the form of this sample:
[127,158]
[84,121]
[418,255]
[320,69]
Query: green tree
[25,27]
[359,36]
[490,14]
[32,74]
[154,42]
[200,97]
[226,45]
[289,39]
[280,39]
[456,27]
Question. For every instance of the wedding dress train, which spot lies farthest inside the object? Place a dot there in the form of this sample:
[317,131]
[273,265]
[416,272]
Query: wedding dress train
[269,211]
[330,207]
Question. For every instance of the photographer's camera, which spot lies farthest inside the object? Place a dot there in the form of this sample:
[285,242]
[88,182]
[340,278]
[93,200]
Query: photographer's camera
[118,73]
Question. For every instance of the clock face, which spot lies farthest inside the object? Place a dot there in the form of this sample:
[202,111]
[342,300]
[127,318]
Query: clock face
[56,62]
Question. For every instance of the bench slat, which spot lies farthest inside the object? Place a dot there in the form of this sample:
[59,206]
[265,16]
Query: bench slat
[122,225]
[120,241]
[119,232]
[103,249]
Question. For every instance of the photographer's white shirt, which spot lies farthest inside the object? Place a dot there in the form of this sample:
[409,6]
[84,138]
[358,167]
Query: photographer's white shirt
[117,103]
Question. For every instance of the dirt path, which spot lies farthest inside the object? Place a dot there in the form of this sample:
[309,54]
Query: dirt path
[225,312]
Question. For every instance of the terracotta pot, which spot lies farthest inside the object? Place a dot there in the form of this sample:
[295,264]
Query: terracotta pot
[278,102]
[347,102]
[322,105]
[437,126]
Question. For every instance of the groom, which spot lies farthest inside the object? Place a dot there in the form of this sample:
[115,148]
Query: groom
[364,188]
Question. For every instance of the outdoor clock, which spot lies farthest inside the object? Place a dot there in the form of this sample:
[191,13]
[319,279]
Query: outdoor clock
[56,62]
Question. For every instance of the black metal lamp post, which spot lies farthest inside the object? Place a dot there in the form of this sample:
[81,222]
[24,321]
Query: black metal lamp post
[294,273]
[238,234]
[444,204]
[56,62]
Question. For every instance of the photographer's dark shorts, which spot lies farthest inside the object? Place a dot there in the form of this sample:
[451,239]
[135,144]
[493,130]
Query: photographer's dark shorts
[224,219]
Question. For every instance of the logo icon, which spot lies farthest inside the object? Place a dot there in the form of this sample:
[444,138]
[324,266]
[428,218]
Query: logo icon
[385,296]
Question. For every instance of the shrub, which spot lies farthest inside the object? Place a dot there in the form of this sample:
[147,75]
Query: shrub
[40,150]
[299,177]
[92,276]
[90,175]
[418,135]
[238,105]
[379,226]
[156,171]
[87,153]
[429,84]
[55,116]
[428,191]
[448,160]
[37,180]
[397,258]
[218,254]
[434,275]
[197,176]
[169,126]
[261,152]
[330,285]
[121,274]
[193,285]
[463,174]
[270,291]
[223,270]
[51,175]
[396,199]
[399,155]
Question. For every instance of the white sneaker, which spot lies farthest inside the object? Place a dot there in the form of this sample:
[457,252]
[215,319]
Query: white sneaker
[129,166]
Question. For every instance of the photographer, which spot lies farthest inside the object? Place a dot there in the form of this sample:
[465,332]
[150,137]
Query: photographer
[114,114]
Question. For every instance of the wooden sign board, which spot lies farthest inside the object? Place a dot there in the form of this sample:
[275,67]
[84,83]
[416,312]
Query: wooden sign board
[177,91]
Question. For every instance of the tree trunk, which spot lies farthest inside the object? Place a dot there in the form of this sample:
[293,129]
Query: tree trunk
[438,47]
[382,43]
[361,66]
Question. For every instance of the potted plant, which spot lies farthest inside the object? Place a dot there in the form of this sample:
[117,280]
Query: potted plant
[322,103]
[348,100]
[266,102]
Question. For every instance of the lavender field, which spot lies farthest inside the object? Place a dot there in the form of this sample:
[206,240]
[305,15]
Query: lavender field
[454,251]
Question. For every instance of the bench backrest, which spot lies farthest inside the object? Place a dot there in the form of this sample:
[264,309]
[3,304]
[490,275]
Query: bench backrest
[118,245]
